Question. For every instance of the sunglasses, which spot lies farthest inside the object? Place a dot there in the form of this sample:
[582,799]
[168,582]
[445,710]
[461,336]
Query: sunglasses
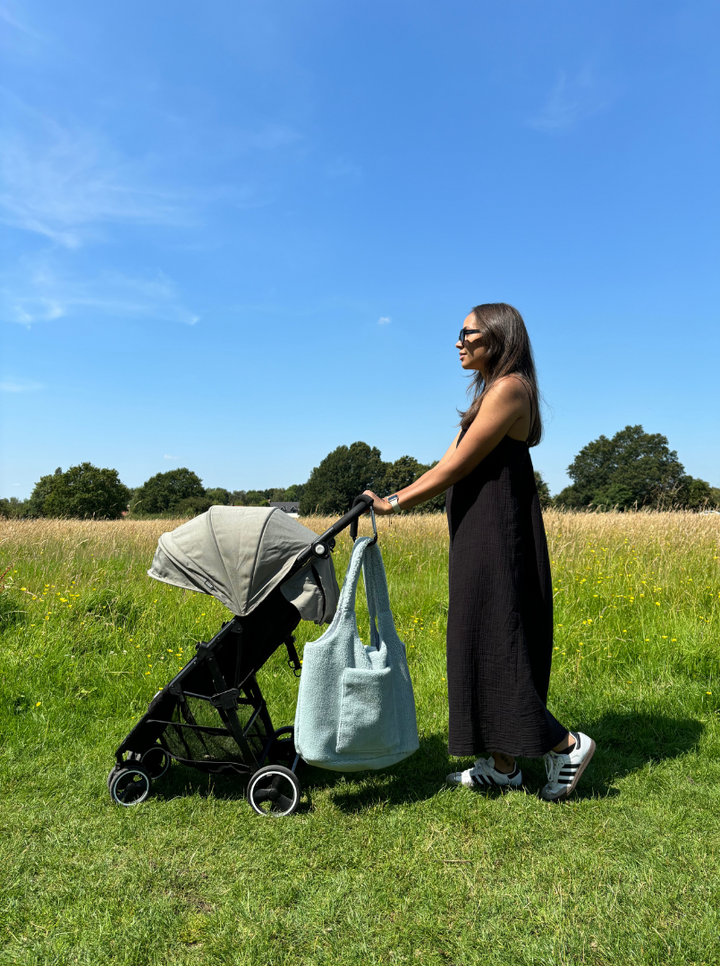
[464,333]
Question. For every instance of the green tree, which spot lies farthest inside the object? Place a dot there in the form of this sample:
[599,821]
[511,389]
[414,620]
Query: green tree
[568,498]
[218,496]
[191,506]
[340,477]
[84,491]
[165,491]
[694,494]
[41,491]
[634,468]
[543,490]
[13,508]
[256,498]
[293,494]
[404,471]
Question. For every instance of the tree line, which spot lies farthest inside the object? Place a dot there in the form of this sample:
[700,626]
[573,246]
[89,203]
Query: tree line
[632,470]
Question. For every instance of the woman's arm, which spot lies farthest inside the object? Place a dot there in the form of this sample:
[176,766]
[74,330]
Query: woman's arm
[450,450]
[504,403]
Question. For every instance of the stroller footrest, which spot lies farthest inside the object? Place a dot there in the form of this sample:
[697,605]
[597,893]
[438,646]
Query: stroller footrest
[226,699]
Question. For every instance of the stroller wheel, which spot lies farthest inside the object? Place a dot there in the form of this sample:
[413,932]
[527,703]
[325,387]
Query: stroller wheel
[156,760]
[130,784]
[274,790]
[113,772]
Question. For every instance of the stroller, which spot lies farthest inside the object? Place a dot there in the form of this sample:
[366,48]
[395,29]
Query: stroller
[271,572]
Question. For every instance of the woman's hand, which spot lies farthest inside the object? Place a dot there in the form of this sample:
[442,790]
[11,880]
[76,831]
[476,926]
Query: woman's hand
[380,506]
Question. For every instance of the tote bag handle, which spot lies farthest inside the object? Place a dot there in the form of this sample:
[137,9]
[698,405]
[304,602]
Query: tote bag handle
[376,588]
[346,603]
[365,556]
[376,591]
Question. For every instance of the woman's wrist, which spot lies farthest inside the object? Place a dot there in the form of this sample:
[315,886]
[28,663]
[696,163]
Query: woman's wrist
[380,504]
[394,502]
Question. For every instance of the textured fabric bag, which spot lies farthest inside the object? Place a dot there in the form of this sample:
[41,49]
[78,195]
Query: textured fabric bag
[356,708]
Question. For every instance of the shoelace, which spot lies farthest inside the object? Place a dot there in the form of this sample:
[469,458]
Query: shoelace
[553,764]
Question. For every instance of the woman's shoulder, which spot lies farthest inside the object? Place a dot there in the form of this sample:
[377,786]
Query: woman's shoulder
[512,394]
[509,387]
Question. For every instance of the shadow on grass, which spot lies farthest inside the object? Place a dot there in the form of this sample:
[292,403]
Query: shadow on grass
[414,779]
[626,742]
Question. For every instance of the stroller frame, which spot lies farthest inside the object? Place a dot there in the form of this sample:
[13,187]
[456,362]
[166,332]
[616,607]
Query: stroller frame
[213,716]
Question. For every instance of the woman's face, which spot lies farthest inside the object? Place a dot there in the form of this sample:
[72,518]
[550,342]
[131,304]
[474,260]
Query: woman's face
[472,353]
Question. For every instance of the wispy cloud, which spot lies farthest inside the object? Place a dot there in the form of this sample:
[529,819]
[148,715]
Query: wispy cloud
[342,168]
[573,99]
[384,320]
[12,21]
[62,183]
[268,137]
[19,385]
[42,295]
[166,457]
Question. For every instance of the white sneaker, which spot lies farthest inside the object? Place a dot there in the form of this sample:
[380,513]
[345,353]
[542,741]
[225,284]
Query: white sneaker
[484,774]
[565,768]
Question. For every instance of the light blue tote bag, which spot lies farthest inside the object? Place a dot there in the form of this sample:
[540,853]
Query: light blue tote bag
[356,708]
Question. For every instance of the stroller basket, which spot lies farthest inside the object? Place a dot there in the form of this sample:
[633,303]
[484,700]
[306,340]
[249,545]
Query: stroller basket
[212,715]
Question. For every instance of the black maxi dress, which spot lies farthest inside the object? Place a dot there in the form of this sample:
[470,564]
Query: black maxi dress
[500,620]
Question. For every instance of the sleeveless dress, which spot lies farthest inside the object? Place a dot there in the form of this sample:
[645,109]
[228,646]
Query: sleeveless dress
[500,619]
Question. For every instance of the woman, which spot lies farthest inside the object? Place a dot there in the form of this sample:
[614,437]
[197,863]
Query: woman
[500,623]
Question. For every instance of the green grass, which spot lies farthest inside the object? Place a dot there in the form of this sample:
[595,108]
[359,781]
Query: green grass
[384,867]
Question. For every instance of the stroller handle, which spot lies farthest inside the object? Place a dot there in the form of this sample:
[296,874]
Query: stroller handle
[326,541]
[367,502]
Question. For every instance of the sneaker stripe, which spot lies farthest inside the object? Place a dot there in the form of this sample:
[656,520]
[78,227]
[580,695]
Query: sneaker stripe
[480,780]
[483,776]
[487,781]
[564,775]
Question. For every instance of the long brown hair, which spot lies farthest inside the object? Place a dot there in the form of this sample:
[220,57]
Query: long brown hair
[507,343]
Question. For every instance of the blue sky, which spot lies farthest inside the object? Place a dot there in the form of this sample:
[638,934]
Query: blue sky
[236,235]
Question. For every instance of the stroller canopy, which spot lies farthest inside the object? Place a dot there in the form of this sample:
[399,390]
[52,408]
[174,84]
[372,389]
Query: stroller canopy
[240,555]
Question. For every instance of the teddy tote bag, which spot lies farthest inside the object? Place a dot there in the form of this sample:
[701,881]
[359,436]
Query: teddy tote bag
[356,708]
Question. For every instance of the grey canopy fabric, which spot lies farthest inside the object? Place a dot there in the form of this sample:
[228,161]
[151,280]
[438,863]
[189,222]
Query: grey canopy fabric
[240,554]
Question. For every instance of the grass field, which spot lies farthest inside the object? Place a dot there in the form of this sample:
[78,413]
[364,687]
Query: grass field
[387,867]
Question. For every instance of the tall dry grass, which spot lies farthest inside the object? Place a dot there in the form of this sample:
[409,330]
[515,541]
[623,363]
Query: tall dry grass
[685,526]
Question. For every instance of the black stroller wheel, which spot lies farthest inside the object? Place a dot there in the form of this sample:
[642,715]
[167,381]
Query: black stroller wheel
[113,772]
[274,790]
[130,785]
[156,760]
